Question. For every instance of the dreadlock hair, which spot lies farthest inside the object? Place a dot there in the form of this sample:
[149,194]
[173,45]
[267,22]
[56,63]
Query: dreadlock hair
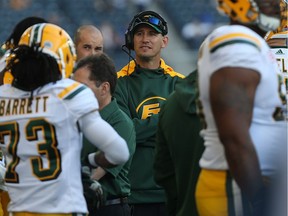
[31,68]
[19,29]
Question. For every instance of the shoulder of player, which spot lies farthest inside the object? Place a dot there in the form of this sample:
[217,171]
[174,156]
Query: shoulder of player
[234,34]
[8,91]
[5,87]
[67,89]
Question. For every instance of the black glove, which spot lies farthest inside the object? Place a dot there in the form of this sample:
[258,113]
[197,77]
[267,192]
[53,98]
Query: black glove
[93,192]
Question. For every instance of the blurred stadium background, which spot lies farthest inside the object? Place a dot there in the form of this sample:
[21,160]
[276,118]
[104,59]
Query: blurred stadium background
[189,21]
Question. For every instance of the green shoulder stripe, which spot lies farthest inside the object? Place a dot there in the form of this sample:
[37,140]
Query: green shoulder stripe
[74,93]
[70,91]
[234,42]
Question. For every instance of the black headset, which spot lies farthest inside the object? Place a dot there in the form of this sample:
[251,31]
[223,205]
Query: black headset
[129,32]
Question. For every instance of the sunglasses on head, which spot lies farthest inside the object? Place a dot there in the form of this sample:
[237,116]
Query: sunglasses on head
[152,20]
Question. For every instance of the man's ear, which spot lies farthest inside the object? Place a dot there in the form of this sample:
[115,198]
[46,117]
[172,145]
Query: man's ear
[105,87]
[165,41]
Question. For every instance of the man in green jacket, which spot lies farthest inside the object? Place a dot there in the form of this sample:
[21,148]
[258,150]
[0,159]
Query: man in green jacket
[98,73]
[142,88]
[179,148]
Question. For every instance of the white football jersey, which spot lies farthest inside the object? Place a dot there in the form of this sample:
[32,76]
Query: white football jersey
[43,145]
[238,46]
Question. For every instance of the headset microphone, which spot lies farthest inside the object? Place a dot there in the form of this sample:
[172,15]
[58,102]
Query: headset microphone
[130,56]
[128,52]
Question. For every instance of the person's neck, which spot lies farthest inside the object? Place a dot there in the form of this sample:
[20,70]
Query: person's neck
[104,102]
[151,64]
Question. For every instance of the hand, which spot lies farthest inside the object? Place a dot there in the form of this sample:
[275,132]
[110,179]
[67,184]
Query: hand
[93,191]
[98,191]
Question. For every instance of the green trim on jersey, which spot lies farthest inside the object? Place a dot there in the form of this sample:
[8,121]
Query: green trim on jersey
[233,42]
[74,93]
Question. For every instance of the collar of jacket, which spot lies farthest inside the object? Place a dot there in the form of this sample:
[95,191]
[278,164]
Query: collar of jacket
[130,68]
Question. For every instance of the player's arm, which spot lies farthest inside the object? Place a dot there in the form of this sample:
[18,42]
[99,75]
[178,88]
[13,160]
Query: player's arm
[232,95]
[113,148]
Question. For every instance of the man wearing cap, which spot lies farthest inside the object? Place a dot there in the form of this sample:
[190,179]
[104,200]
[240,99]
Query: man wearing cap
[142,88]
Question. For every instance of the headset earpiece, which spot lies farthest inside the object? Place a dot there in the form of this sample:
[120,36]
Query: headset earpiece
[129,38]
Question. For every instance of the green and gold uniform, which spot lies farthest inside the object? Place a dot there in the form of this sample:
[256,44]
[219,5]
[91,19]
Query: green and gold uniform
[179,148]
[141,93]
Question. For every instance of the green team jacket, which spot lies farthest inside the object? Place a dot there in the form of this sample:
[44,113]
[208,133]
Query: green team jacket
[179,148]
[115,182]
[140,94]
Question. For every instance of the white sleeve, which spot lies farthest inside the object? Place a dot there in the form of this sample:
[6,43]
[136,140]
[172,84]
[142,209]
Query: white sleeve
[105,138]
[2,176]
[2,173]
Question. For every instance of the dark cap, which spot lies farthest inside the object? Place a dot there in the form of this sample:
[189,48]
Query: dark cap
[151,19]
